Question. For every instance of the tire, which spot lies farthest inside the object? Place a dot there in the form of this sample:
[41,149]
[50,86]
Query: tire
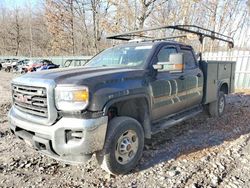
[123,146]
[217,108]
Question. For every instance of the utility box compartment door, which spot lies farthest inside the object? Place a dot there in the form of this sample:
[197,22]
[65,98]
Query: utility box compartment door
[232,84]
[216,72]
[210,71]
[224,70]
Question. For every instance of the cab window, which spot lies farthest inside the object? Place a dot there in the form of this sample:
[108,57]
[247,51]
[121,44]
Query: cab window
[163,56]
[164,53]
[189,59]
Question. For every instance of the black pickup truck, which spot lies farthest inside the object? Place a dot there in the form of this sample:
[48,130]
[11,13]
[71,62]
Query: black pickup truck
[121,97]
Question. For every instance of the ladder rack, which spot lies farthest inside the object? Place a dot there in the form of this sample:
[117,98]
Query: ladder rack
[193,29]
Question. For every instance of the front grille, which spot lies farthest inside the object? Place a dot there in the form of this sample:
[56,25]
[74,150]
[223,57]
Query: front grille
[32,100]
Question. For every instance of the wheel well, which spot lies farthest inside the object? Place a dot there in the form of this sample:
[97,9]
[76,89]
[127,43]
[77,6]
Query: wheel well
[224,88]
[137,108]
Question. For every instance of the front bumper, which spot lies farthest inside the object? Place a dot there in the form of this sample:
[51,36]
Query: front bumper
[70,140]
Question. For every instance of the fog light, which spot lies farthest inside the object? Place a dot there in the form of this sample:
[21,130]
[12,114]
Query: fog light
[73,135]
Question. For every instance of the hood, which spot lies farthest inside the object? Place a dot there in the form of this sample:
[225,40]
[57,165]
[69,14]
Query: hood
[84,75]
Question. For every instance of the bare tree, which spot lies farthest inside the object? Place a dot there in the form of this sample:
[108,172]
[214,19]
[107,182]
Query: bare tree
[3,31]
[83,29]
[16,33]
[99,10]
[79,27]
[56,20]
[146,9]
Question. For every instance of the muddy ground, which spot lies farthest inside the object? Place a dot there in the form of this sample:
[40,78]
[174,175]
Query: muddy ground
[200,152]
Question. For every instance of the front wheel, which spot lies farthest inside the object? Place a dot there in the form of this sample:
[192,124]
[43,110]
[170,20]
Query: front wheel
[217,108]
[123,146]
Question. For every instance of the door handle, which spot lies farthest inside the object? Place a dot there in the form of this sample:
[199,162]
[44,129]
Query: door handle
[182,77]
[199,75]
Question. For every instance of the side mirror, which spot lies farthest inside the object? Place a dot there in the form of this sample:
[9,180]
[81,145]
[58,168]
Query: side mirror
[175,64]
[158,66]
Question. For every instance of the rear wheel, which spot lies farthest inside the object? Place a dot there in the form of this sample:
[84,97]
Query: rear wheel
[123,146]
[217,108]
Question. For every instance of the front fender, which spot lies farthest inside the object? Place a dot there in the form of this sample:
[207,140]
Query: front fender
[124,98]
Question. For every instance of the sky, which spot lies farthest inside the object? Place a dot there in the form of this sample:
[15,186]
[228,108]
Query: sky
[18,3]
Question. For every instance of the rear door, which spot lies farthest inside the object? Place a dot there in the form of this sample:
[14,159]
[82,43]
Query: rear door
[193,77]
[168,89]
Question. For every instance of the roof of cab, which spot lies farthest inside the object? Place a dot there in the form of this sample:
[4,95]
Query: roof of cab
[153,43]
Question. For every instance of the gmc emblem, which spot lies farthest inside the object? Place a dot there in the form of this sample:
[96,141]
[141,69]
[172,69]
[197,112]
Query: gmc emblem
[23,98]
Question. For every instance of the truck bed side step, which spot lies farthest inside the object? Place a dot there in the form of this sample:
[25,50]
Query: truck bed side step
[169,122]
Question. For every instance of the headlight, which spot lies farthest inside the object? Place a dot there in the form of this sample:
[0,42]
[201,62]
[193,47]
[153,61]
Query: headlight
[71,98]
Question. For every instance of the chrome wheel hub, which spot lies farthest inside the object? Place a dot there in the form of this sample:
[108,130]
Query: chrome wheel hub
[126,147]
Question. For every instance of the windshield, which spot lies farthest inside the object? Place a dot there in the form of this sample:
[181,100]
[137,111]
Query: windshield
[121,56]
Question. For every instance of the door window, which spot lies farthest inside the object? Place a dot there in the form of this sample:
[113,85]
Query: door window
[189,59]
[164,53]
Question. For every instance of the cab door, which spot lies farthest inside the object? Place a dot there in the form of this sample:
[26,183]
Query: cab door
[194,78]
[168,89]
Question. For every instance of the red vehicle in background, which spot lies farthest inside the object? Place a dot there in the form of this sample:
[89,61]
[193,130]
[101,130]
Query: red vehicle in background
[33,65]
